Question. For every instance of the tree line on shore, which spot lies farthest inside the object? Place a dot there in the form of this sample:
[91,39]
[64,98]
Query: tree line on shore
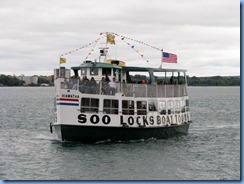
[214,81]
[8,80]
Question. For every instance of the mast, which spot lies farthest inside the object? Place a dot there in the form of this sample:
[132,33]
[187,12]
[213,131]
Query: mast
[103,53]
[162,55]
[104,50]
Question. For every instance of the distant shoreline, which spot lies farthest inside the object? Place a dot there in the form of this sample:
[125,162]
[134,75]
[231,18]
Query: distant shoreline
[8,81]
[214,81]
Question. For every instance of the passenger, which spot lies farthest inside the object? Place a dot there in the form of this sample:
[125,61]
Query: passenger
[93,82]
[84,85]
[84,80]
[75,83]
[107,78]
[113,86]
[103,86]
[93,86]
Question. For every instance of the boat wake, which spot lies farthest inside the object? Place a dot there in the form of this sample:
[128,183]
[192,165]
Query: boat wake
[50,137]
[130,141]
[200,128]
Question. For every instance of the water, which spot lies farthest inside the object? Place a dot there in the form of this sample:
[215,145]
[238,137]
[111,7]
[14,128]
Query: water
[211,150]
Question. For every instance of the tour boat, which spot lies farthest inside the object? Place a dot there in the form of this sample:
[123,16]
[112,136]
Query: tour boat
[107,100]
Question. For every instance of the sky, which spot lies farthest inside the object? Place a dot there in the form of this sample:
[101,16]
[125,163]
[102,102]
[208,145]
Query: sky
[204,34]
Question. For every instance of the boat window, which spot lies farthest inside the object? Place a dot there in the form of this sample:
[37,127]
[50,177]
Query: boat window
[139,77]
[162,107]
[83,71]
[160,78]
[165,78]
[181,78]
[93,71]
[106,71]
[170,107]
[128,107]
[173,77]
[110,106]
[152,106]
[177,106]
[141,107]
[89,105]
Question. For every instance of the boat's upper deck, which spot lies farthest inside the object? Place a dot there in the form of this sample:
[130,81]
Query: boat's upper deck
[109,79]
[127,89]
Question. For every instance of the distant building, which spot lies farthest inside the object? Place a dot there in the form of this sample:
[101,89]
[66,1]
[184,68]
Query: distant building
[28,79]
[46,78]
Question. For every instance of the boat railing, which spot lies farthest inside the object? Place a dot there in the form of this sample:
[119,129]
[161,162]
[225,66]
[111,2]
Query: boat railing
[153,90]
[128,89]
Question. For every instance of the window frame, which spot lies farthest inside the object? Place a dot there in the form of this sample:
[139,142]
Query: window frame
[162,108]
[92,70]
[112,108]
[90,107]
[128,107]
[83,71]
[141,109]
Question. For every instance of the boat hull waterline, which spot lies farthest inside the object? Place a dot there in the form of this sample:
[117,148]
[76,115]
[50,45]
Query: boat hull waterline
[92,134]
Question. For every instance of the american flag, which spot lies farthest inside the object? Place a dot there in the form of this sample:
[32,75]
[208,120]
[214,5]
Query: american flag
[169,58]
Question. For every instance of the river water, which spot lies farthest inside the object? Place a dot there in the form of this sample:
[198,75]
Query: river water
[210,151]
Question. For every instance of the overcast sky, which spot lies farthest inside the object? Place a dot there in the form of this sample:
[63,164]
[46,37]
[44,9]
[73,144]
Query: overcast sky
[205,34]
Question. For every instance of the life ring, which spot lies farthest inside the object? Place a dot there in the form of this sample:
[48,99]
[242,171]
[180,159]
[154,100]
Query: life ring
[116,62]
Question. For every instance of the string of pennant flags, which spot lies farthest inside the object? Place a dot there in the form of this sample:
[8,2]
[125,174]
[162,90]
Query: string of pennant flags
[166,57]
[84,46]
[95,43]
[133,47]
[138,41]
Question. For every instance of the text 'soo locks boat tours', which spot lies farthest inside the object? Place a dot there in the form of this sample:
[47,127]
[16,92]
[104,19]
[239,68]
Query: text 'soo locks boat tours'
[105,99]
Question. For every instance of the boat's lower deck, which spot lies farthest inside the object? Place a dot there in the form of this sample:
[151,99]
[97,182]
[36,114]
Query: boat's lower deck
[91,134]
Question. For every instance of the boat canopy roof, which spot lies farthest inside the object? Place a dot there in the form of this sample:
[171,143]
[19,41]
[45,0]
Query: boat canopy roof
[95,65]
[126,68]
[135,68]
